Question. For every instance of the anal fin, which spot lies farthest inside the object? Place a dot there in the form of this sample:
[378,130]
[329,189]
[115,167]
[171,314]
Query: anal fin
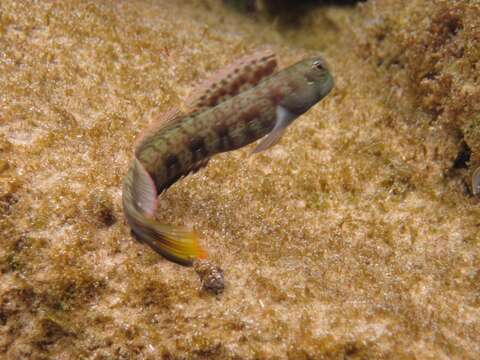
[144,193]
[188,171]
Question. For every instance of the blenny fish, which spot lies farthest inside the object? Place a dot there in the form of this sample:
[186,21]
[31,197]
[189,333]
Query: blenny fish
[238,105]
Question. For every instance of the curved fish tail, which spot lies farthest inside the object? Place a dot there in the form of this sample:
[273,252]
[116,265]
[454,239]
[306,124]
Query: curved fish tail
[177,244]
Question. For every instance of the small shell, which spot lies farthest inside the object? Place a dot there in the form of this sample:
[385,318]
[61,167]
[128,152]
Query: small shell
[476,182]
[211,276]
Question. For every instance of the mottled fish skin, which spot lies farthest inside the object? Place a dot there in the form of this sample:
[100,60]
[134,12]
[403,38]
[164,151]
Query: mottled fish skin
[233,79]
[221,120]
[241,75]
[232,124]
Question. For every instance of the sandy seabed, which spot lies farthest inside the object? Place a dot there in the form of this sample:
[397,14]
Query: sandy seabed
[355,237]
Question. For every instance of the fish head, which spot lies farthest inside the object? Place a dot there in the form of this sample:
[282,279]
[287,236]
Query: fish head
[318,77]
[311,81]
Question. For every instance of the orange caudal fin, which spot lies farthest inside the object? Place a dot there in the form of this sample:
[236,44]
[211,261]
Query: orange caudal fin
[177,244]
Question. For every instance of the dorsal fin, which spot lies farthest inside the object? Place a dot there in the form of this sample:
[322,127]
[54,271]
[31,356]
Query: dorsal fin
[227,82]
[163,120]
[233,79]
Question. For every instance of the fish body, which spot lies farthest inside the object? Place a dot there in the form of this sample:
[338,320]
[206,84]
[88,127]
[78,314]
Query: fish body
[234,111]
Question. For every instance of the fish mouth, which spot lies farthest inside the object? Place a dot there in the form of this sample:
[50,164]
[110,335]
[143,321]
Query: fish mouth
[327,86]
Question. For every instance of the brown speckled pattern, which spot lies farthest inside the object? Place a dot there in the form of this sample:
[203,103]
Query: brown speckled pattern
[235,78]
[174,150]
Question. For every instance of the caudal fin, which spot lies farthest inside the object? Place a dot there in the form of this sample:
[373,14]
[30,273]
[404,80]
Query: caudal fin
[139,203]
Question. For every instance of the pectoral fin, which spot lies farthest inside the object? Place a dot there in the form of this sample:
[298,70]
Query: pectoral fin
[284,118]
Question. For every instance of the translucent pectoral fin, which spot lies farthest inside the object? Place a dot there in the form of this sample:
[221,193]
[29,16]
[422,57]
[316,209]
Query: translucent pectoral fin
[284,118]
[271,139]
[144,192]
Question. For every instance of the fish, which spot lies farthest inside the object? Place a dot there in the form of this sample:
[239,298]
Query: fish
[238,105]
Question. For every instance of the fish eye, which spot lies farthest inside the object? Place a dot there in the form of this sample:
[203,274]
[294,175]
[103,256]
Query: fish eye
[317,64]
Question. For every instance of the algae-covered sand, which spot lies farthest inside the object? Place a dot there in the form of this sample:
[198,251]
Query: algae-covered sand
[355,237]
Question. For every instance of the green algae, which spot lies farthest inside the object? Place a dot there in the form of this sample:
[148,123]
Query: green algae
[431,52]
